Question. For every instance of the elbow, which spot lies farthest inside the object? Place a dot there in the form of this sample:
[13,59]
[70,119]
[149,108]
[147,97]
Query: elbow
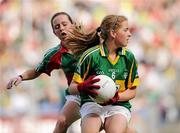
[133,93]
[133,96]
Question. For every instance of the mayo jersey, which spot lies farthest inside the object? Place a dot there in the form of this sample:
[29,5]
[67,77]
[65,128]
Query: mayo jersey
[123,70]
[58,58]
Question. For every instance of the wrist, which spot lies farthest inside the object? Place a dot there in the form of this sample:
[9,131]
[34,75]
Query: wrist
[20,77]
[116,97]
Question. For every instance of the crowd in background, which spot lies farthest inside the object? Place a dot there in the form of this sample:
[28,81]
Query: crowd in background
[26,34]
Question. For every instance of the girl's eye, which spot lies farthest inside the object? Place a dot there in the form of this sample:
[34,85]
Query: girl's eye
[126,29]
[64,24]
[57,26]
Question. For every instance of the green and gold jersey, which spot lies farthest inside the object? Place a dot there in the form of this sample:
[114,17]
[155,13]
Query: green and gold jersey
[123,70]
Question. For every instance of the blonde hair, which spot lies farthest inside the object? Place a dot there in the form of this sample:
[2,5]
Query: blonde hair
[78,40]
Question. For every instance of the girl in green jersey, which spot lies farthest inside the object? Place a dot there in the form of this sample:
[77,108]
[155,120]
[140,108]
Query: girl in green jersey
[110,57]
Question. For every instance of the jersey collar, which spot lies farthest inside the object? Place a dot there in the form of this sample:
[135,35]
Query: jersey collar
[63,49]
[104,50]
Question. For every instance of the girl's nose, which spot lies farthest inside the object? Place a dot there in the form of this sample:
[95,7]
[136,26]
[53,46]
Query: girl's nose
[62,27]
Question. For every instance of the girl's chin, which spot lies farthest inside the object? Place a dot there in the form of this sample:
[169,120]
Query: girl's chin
[62,38]
[123,45]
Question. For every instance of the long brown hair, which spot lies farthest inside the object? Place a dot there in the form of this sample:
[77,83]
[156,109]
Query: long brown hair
[78,40]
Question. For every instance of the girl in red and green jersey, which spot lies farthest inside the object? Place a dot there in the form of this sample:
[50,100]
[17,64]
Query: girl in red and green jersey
[58,57]
[110,58]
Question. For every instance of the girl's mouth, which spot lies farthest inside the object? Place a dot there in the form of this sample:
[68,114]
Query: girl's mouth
[63,34]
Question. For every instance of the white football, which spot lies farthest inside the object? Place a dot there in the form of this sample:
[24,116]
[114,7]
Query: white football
[107,89]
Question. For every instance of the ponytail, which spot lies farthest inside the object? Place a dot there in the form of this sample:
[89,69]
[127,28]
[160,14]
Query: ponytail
[78,41]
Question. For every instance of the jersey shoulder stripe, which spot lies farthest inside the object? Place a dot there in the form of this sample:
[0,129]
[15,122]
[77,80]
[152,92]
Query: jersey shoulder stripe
[52,51]
[128,51]
[88,52]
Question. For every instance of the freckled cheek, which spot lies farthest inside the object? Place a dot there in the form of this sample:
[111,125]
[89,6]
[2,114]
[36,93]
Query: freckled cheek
[120,40]
[68,28]
[57,32]
[123,38]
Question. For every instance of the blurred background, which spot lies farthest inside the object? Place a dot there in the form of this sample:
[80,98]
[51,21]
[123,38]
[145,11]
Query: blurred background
[26,34]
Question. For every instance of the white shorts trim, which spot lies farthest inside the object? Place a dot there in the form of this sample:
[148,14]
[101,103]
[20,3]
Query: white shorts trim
[74,98]
[104,111]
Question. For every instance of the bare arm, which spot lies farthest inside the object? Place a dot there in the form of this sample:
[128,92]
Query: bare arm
[27,75]
[30,74]
[73,88]
[127,95]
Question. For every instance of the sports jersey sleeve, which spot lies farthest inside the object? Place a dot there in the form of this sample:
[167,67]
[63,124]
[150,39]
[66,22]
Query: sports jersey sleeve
[82,69]
[133,77]
[50,61]
[41,67]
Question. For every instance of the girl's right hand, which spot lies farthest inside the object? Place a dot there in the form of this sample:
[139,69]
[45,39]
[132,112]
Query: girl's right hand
[88,86]
[14,81]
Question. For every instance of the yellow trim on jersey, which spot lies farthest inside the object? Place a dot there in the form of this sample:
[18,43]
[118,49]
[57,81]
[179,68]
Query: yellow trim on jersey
[102,50]
[115,61]
[136,82]
[88,52]
[77,78]
[130,75]
[86,73]
[123,51]
[121,85]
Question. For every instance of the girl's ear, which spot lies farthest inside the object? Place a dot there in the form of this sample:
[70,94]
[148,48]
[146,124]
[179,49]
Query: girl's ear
[112,34]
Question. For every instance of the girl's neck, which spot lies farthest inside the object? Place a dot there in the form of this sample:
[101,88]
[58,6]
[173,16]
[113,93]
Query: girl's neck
[68,50]
[111,48]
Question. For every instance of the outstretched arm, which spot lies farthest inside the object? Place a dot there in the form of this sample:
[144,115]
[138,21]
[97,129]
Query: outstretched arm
[27,75]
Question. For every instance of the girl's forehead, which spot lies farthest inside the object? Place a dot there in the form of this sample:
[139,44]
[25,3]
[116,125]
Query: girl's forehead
[61,18]
[124,23]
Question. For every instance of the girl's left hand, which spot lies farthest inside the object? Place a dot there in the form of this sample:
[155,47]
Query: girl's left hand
[112,101]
